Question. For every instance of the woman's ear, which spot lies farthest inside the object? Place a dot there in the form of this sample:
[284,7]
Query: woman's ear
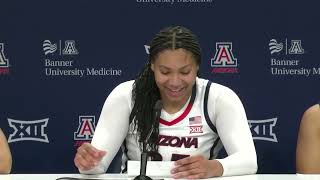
[152,67]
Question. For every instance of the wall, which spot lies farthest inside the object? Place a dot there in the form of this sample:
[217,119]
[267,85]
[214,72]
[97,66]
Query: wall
[105,40]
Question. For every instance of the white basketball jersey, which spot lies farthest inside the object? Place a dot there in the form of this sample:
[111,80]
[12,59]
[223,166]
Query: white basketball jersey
[185,133]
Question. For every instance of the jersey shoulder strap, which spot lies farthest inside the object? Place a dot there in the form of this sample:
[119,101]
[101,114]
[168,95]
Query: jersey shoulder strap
[205,105]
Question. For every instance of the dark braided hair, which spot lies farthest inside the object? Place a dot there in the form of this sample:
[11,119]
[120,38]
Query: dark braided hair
[145,92]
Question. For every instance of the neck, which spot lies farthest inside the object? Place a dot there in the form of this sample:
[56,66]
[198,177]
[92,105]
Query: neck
[173,107]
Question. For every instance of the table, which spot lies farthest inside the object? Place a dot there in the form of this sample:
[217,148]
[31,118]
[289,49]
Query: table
[123,176]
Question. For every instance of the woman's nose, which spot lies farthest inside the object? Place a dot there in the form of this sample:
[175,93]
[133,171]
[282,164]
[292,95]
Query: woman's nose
[175,80]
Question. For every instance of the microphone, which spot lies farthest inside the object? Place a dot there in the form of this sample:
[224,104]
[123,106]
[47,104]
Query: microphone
[144,155]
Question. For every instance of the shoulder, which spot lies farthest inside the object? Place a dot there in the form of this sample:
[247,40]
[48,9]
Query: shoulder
[312,111]
[125,86]
[216,90]
[2,136]
[311,117]
[121,93]
[221,98]
[203,83]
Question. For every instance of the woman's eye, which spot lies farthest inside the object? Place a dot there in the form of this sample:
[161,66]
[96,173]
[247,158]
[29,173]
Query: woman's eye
[164,72]
[185,72]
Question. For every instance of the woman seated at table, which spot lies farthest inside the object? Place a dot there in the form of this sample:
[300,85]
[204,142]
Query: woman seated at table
[308,146]
[5,155]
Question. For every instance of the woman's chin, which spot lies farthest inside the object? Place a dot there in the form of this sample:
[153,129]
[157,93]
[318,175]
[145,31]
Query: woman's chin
[175,98]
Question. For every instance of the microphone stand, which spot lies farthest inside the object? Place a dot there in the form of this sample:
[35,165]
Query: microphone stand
[145,153]
[144,158]
[143,165]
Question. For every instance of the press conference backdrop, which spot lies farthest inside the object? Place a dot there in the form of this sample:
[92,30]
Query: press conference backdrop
[59,60]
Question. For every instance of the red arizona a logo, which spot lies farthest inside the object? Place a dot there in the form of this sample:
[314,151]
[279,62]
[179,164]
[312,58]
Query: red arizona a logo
[224,56]
[85,129]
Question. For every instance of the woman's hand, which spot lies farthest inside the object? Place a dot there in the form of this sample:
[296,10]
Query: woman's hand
[88,157]
[196,167]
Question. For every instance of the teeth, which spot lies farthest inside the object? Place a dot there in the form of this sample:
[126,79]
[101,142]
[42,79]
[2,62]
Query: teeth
[178,90]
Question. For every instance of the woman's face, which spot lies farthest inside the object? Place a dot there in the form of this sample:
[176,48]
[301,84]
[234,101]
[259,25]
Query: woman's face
[175,73]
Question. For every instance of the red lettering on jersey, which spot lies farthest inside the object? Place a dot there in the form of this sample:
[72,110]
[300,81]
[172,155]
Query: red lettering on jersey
[174,141]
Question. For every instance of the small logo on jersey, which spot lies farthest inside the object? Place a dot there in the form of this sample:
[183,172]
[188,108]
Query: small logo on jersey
[85,130]
[195,125]
[4,62]
[274,46]
[263,129]
[224,60]
[195,120]
[174,141]
[48,47]
[147,48]
[70,48]
[28,130]
[195,129]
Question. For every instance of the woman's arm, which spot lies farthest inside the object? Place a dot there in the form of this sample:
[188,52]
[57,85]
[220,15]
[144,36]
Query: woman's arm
[228,115]
[308,145]
[5,155]
[232,125]
[112,127]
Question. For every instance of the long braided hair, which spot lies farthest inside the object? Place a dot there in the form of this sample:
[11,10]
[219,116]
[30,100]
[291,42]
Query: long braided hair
[145,92]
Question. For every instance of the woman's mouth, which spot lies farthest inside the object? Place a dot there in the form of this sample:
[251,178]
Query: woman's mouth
[175,92]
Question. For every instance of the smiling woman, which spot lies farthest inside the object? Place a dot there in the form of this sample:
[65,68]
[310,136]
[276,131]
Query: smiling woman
[5,155]
[175,74]
[197,117]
